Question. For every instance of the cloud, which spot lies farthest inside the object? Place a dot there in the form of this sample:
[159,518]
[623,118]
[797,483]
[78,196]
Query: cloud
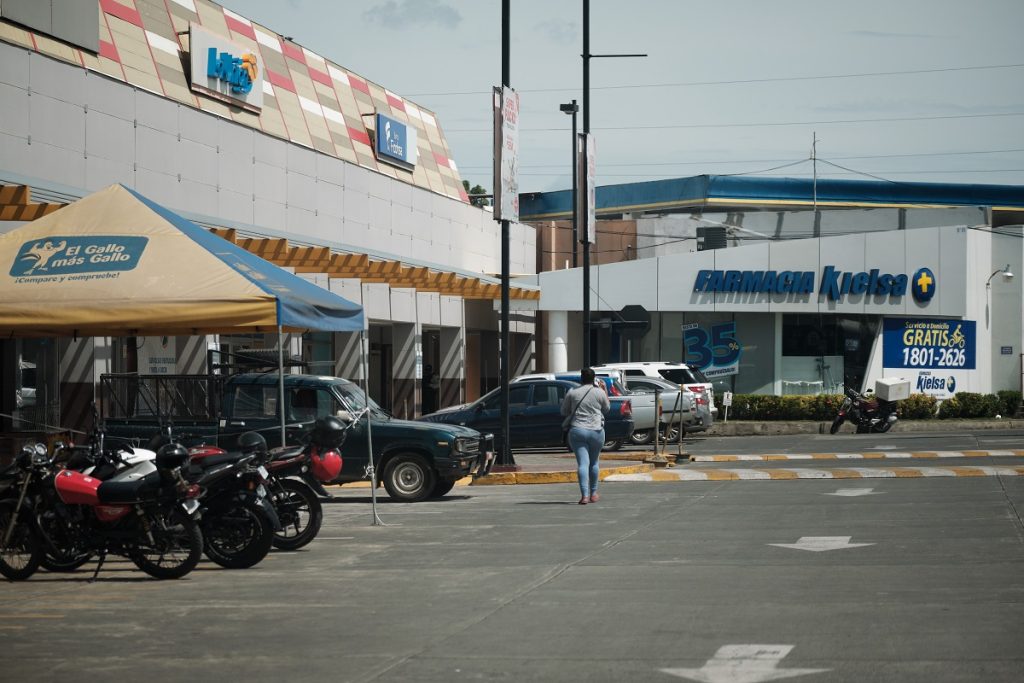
[558,31]
[887,35]
[408,13]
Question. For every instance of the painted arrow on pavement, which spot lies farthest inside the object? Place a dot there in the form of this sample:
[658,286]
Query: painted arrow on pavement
[854,492]
[819,544]
[744,664]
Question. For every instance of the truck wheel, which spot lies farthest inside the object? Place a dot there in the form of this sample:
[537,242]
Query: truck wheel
[612,445]
[670,433]
[442,487]
[408,478]
[641,437]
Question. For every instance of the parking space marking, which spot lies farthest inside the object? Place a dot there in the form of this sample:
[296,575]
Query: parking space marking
[818,473]
[869,455]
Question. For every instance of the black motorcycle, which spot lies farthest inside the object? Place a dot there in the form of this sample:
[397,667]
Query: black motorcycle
[868,413]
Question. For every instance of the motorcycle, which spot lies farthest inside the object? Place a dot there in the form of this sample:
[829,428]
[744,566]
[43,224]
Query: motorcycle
[867,412]
[146,513]
[297,475]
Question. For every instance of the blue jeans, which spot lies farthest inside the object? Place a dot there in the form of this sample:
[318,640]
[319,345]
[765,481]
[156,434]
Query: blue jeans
[586,444]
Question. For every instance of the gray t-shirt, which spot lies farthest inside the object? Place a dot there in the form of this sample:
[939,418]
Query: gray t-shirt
[594,405]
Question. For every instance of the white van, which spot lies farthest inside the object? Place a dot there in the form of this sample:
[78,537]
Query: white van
[680,373]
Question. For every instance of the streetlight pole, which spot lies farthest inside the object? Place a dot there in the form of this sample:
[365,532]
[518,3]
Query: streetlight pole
[505,453]
[572,108]
[586,129]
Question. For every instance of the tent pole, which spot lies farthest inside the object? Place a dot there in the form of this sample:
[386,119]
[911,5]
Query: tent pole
[363,353]
[280,379]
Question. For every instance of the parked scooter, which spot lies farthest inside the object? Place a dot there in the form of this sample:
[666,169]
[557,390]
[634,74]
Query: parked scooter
[868,412]
[146,513]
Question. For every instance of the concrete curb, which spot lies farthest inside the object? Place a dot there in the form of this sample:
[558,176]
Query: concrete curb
[560,477]
[782,428]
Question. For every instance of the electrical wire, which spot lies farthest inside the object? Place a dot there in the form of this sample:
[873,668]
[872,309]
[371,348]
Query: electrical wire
[772,124]
[744,81]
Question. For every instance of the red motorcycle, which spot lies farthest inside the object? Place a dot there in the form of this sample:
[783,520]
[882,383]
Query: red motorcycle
[868,413]
[144,513]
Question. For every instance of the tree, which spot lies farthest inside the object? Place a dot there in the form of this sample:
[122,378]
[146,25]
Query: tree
[473,193]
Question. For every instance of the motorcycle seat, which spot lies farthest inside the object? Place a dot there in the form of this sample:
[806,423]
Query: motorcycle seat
[215,460]
[285,453]
[129,490]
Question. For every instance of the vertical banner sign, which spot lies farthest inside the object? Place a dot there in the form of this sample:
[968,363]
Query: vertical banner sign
[586,198]
[506,154]
[937,352]
[715,350]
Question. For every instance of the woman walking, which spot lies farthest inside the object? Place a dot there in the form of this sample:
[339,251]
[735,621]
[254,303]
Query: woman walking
[584,408]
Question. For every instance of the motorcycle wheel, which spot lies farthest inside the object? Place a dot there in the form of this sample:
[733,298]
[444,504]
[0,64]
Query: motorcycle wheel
[20,556]
[641,437]
[863,429]
[177,548]
[238,537]
[300,513]
[836,424]
[886,426]
[66,557]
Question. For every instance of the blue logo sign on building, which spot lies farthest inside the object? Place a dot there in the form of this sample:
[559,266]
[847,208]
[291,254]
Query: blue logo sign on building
[396,142]
[922,285]
[77,255]
[834,283]
[920,343]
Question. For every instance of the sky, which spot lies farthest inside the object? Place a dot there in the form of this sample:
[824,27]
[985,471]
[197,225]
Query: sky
[903,90]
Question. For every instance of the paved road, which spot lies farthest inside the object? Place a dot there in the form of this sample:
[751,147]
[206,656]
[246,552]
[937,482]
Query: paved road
[518,583]
[827,443]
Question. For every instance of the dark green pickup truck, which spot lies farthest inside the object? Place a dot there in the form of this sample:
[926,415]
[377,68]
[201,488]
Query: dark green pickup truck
[415,460]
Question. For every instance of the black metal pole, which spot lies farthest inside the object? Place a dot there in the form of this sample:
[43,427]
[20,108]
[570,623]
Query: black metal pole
[505,452]
[575,172]
[586,218]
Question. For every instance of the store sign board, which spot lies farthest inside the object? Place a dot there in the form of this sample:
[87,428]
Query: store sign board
[833,285]
[922,343]
[715,350]
[396,142]
[157,356]
[506,154]
[225,70]
[81,258]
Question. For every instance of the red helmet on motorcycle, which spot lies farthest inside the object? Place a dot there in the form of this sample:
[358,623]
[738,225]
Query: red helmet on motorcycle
[325,465]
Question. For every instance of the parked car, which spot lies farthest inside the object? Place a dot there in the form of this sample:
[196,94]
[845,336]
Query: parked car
[645,416]
[535,417]
[682,374]
[673,398]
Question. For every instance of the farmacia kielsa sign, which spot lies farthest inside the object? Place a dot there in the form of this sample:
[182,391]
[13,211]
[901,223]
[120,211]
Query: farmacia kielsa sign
[833,284]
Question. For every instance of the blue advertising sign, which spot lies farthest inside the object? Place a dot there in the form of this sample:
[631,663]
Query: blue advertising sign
[920,343]
[73,255]
[395,141]
[714,350]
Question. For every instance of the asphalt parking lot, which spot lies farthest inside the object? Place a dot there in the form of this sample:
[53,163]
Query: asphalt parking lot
[887,580]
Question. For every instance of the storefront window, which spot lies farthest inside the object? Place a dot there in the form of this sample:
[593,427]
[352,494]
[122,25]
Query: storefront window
[822,353]
[36,379]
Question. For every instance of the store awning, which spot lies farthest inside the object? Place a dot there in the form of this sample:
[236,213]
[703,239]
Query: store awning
[115,263]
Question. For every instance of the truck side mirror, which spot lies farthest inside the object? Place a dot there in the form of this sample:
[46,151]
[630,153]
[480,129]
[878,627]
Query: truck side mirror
[344,416]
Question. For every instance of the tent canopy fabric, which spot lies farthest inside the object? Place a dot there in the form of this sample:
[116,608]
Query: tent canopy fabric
[117,264]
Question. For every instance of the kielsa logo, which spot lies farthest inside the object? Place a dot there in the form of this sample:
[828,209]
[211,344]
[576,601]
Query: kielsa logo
[75,255]
[922,285]
[926,381]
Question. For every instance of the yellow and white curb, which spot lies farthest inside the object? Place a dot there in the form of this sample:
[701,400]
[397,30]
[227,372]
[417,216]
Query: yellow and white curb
[819,473]
[871,455]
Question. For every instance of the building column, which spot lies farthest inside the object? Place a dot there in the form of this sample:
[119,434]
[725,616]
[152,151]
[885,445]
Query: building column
[453,366]
[348,359]
[558,341]
[405,339]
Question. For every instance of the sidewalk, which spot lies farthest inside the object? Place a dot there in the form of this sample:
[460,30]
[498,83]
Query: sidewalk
[783,427]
